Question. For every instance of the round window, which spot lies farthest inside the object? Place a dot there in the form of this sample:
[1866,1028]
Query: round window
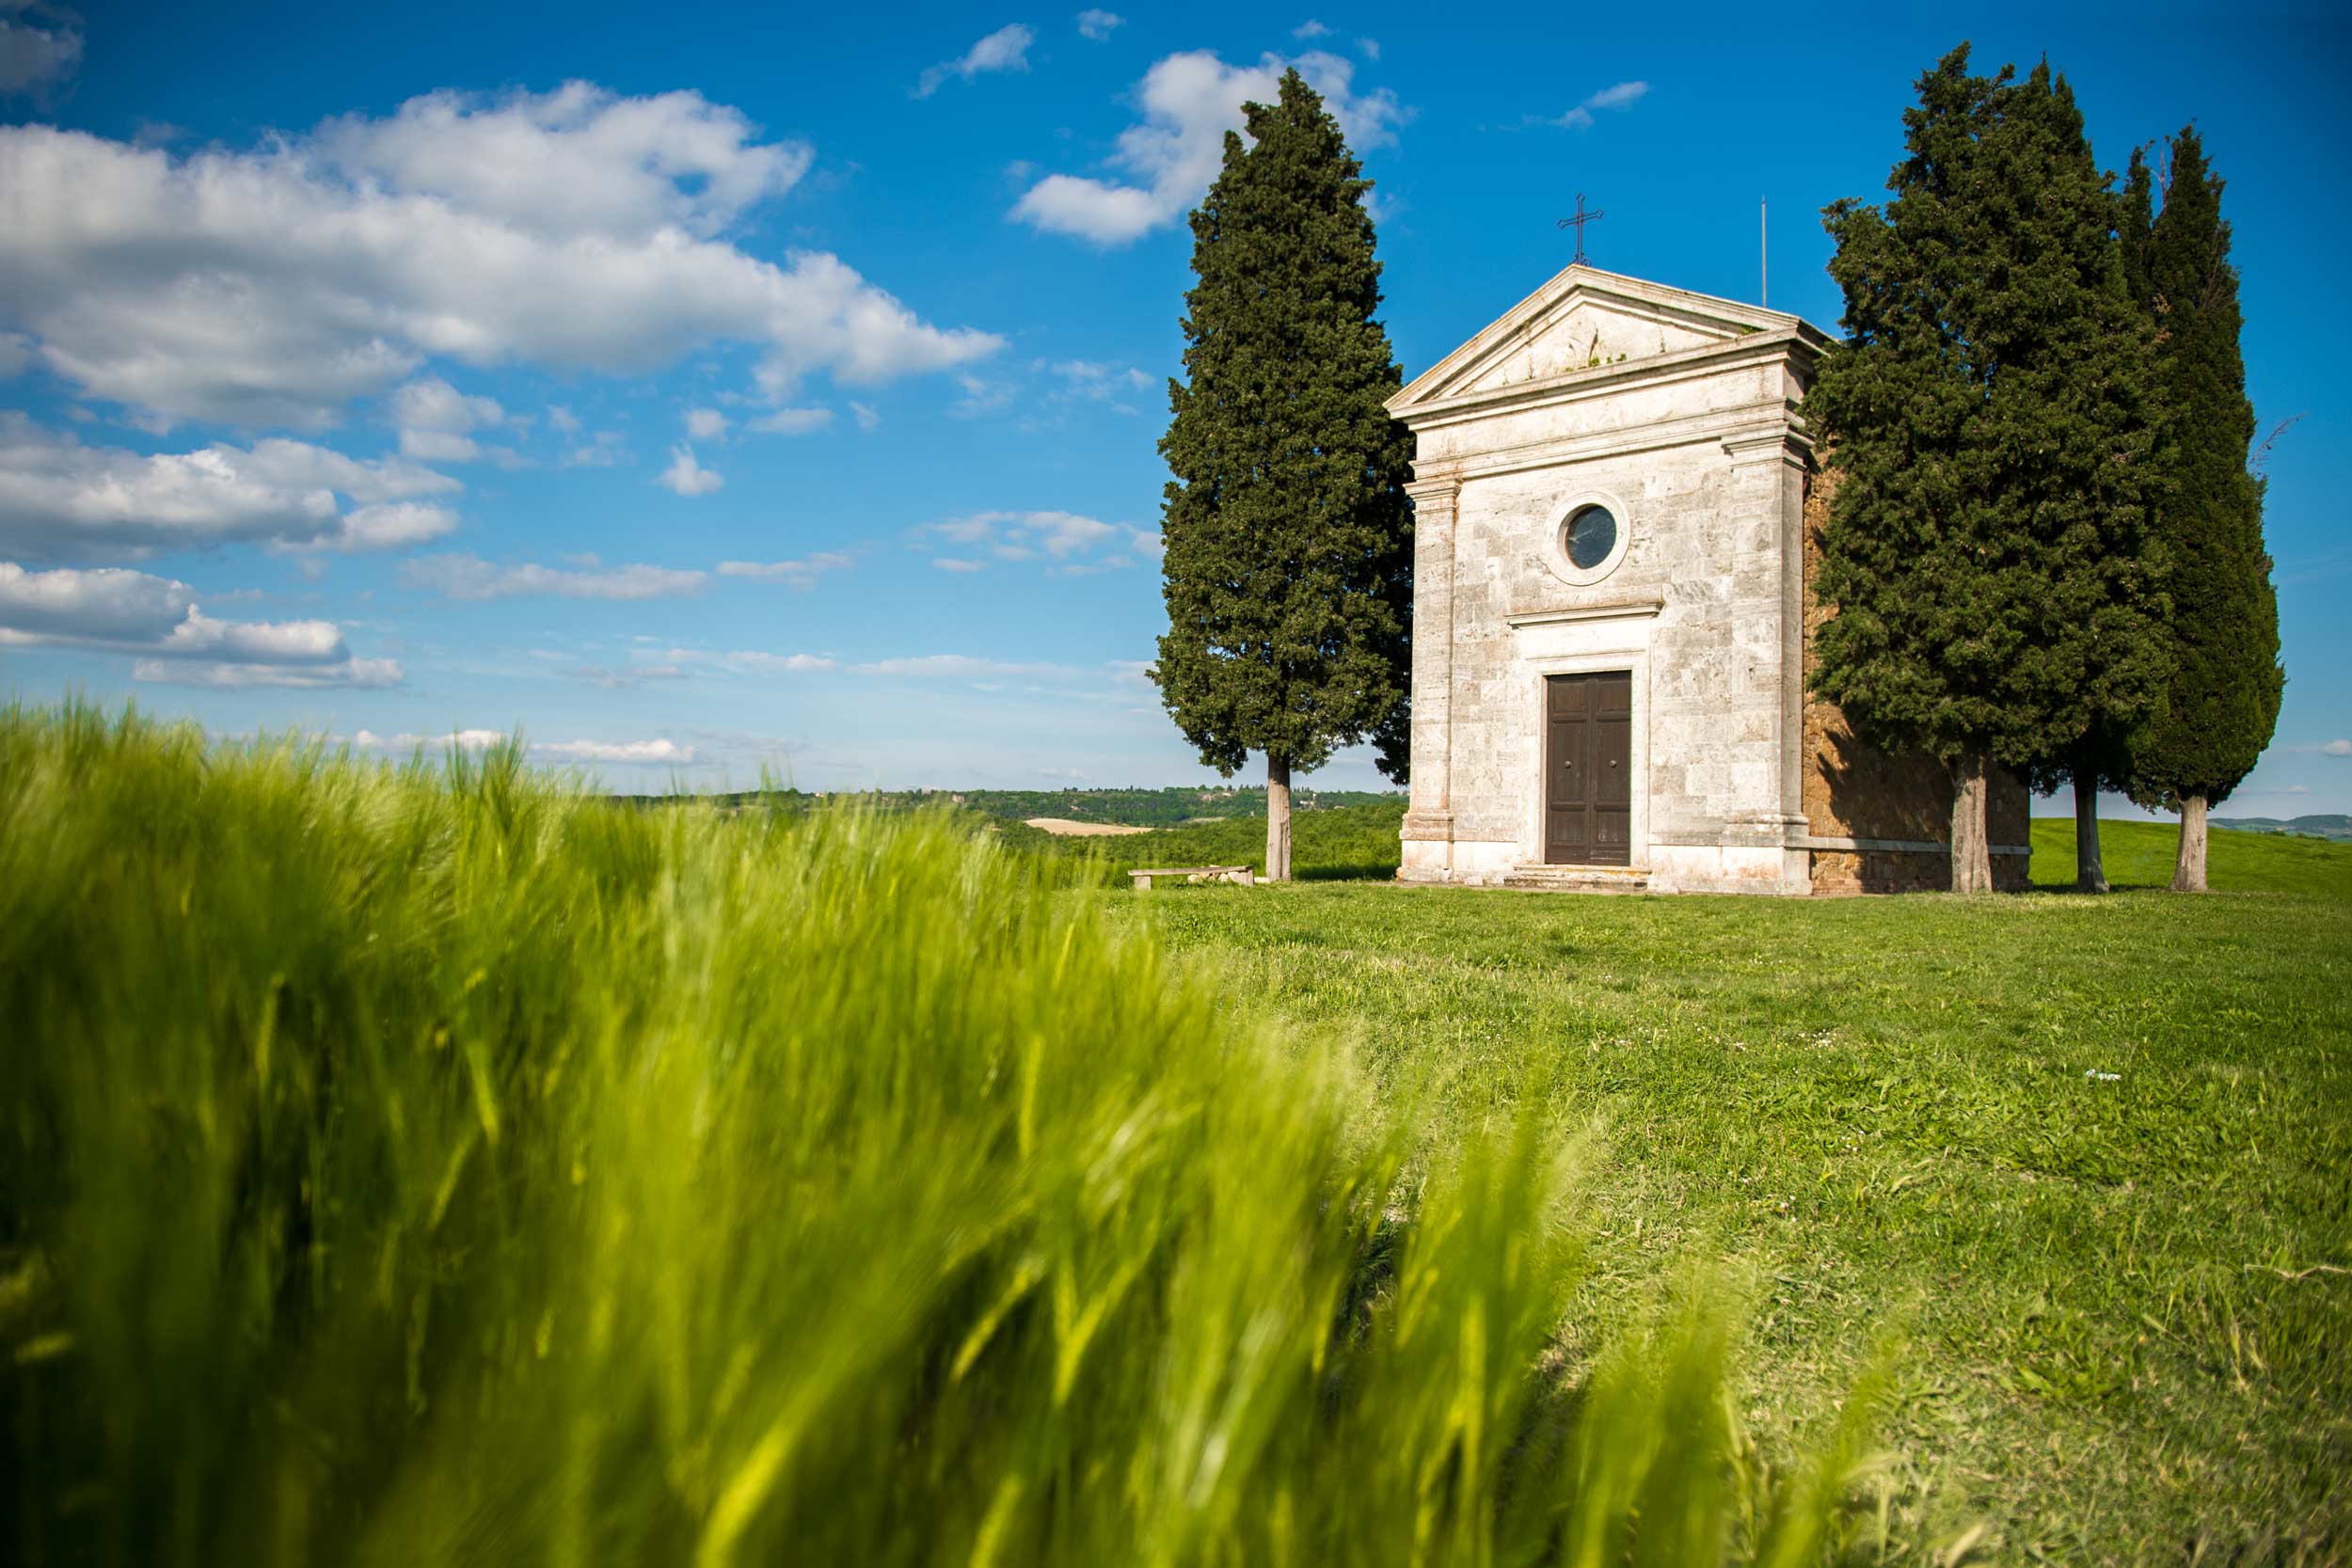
[1592,535]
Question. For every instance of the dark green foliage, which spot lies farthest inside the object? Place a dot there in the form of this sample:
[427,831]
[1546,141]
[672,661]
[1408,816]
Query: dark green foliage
[1289,537]
[1991,413]
[2222,700]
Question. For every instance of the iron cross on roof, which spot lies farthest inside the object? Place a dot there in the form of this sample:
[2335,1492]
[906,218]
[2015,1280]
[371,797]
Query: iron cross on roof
[1577,220]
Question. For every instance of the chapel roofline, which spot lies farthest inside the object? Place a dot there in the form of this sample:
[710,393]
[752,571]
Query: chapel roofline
[1740,332]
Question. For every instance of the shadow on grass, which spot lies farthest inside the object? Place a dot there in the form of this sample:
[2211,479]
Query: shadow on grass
[1359,871]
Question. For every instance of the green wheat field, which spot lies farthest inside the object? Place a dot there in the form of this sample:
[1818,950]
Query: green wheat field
[438,1162]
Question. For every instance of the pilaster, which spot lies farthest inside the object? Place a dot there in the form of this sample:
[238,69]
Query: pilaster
[1776,458]
[1429,813]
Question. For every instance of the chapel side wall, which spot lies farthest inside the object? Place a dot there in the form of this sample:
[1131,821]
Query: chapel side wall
[1852,790]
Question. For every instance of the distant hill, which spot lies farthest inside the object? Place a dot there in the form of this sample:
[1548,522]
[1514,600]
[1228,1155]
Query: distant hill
[2320,826]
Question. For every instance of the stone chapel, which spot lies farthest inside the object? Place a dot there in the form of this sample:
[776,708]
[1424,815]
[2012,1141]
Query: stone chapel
[1614,495]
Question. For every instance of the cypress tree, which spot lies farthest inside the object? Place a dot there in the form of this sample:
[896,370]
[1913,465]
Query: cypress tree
[1986,550]
[2221,701]
[1288,534]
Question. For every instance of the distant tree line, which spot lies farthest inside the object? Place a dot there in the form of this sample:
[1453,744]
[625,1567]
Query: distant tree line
[2045,550]
[1173,805]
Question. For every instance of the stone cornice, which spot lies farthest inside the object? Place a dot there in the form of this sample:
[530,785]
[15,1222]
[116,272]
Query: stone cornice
[1791,445]
[1614,610]
[1599,380]
[1443,490]
[1763,421]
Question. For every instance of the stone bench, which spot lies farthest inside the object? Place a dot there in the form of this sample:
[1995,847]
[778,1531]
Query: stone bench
[1239,874]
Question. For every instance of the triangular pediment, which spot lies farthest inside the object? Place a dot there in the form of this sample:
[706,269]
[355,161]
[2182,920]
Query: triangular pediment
[1587,320]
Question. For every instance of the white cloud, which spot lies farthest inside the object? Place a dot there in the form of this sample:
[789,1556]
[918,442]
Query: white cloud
[561,419]
[745,661]
[391,524]
[1099,24]
[777,664]
[62,499]
[598,675]
[1023,535]
[574,230]
[577,162]
[2337,748]
[470,740]
[981,395]
[114,609]
[954,563]
[435,421]
[600,452]
[365,672]
[686,477]
[1006,49]
[16,353]
[706,424]
[1060,533]
[650,751]
[1095,381]
[794,421]
[299,464]
[1621,96]
[954,666]
[1311,29]
[617,751]
[104,604]
[1189,102]
[470,577]
[433,404]
[31,56]
[799,574]
[868,416]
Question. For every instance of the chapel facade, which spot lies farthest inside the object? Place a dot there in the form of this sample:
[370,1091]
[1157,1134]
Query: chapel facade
[1615,498]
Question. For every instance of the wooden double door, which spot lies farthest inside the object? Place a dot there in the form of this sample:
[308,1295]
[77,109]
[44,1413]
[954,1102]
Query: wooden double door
[1588,768]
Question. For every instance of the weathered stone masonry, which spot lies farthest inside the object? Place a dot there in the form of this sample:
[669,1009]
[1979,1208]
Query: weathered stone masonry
[1678,414]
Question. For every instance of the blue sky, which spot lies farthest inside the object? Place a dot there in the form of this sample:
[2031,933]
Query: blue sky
[757,385]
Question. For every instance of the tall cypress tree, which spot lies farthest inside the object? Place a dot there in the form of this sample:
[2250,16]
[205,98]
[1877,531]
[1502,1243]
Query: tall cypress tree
[1288,534]
[2221,701]
[1986,550]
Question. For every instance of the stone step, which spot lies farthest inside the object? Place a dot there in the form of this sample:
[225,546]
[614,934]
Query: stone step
[1578,878]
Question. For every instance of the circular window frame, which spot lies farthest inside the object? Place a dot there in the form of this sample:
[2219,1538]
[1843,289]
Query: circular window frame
[1556,551]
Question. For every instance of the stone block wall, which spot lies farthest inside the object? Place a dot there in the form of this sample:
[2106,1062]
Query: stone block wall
[1706,652]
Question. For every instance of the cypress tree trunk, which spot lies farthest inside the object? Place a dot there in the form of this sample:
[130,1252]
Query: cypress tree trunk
[1278,819]
[2189,871]
[2089,876]
[1972,858]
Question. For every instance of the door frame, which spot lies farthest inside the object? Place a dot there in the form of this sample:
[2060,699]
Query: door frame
[1535,667]
[1590,780]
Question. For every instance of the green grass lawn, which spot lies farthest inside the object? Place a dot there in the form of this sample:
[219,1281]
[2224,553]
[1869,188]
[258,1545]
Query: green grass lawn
[440,1166]
[2140,855]
[2092,1158]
